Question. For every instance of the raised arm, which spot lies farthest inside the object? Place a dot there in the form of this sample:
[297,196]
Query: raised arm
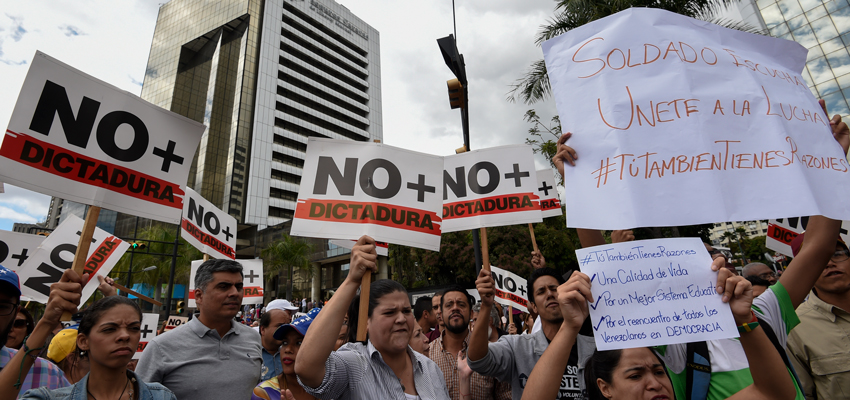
[545,379]
[321,338]
[771,380]
[478,338]
[64,296]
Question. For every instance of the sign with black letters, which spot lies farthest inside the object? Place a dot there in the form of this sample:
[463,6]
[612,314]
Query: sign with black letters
[150,321]
[16,248]
[79,138]
[209,229]
[550,201]
[252,281]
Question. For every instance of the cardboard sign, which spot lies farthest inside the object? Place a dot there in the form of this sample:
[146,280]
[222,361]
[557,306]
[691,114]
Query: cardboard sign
[16,248]
[174,321]
[382,248]
[56,254]
[350,189]
[78,138]
[150,323]
[511,289]
[252,281]
[209,229]
[780,233]
[666,109]
[490,187]
[547,189]
[654,292]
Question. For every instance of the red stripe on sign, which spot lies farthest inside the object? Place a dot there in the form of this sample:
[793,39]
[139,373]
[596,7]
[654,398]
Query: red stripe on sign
[208,240]
[511,297]
[781,234]
[492,205]
[101,255]
[551,204]
[355,212]
[67,164]
[252,291]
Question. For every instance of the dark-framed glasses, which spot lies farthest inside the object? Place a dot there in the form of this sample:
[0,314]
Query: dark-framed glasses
[840,255]
[7,308]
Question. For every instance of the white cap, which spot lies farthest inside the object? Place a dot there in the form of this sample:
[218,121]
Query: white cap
[280,304]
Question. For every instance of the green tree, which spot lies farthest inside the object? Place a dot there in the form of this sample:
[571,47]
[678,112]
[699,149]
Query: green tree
[288,253]
[570,14]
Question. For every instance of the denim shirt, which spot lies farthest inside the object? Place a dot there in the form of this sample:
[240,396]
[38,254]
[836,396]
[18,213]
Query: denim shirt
[147,391]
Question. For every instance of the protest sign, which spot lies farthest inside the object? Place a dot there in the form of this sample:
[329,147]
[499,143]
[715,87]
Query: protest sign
[56,253]
[511,289]
[350,189]
[383,248]
[16,248]
[206,227]
[654,292]
[252,281]
[780,233]
[174,321]
[78,138]
[150,322]
[665,109]
[490,187]
[547,189]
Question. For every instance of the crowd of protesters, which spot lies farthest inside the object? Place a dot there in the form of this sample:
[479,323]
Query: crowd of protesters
[793,337]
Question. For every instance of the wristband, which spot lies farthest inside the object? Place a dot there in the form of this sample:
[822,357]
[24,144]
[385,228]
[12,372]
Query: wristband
[749,326]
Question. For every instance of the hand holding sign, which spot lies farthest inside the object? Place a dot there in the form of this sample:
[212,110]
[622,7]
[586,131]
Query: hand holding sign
[364,260]
[64,297]
[486,287]
[738,292]
[573,297]
[840,131]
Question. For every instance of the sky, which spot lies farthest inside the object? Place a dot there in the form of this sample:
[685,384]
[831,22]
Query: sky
[110,40]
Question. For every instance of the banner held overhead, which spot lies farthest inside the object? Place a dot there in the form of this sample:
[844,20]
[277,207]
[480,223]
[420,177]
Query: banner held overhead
[209,229]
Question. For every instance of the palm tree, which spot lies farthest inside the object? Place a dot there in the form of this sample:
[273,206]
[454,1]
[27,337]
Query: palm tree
[288,252]
[571,14]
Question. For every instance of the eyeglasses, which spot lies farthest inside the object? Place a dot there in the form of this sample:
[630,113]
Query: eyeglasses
[7,308]
[19,323]
[840,255]
[767,275]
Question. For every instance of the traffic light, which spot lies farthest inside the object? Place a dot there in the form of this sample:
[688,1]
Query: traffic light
[455,93]
[138,246]
[180,305]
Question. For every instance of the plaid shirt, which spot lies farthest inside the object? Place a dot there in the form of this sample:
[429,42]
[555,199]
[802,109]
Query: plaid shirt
[482,387]
[42,374]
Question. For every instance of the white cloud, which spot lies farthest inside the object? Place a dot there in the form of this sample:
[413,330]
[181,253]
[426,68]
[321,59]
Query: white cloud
[28,202]
[14,216]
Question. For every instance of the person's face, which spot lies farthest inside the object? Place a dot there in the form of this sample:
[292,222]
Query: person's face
[222,297]
[278,318]
[546,299]
[418,341]
[391,323]
[435,309]
[289,350]
[763,272]
[835,278]
[455,311]
[8,312]
[113,339]
[18,332]
[343,337]
[639,375]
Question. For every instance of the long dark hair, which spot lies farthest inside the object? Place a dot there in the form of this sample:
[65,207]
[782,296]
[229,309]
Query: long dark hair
[353,312]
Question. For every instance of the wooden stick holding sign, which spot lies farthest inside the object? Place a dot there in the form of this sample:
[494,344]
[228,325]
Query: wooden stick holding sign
[83,247]
[365,286]
[511,314]
[533,240]
[206,257]
[485,251]
[137,294]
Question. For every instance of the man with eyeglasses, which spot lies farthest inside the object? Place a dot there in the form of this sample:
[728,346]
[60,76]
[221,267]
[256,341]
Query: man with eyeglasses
[818,345]
[24,366]
[760,270]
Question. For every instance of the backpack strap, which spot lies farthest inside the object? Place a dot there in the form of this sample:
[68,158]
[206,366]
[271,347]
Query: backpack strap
[697,371]
[768,330]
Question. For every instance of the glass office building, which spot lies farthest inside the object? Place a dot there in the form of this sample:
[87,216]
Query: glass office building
[263,76]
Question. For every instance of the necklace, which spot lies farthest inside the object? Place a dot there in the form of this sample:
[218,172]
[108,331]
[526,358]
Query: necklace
[119,396]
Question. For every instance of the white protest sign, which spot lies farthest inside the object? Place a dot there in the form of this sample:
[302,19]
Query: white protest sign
[654,292]
[781,232]
[78,138]
[16,248]
[547,189]
[174,321]
[150,322]
[350,189]
[56,254]
[511,289]
[382,248]
[490,187]
[252,281]
[206,227]
[666,109]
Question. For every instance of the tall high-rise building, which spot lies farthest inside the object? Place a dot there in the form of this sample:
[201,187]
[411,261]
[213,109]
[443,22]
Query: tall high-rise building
[822,27]
[263,76]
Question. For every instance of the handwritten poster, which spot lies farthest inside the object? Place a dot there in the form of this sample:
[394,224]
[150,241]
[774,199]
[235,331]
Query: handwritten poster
[654,292]
[682,122]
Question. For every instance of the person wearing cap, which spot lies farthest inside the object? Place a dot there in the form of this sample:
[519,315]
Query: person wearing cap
[63,352]
[290,336]
[23,370]
[212,356]
[818,345]
[278,313]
